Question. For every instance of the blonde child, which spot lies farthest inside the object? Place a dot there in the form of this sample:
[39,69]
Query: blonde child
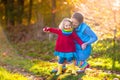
[65,44]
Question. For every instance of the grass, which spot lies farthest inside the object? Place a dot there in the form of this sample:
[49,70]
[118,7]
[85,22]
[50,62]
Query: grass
[65,76]
[17,61]
[36,49]
[6,75]
[43,68]
[104,63]
[103,57]
[9,56]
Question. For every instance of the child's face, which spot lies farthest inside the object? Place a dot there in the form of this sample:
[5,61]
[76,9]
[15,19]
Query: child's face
[75,23]
[67,25]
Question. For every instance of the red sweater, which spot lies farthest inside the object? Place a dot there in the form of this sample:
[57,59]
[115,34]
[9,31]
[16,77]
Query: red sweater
[65,43]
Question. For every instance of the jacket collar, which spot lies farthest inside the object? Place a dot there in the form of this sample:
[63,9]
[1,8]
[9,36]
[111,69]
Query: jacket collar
[78,28]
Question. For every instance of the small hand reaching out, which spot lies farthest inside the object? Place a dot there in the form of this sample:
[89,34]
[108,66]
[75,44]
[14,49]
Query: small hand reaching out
[84,46]
[46,29]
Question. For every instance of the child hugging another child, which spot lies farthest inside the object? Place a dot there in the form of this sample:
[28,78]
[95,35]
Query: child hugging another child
[65,44]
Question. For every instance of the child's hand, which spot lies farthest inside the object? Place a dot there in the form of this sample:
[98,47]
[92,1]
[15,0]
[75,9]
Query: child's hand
[84,46]
[46,29]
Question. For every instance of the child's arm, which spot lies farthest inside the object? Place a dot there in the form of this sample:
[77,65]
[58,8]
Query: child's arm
[52,30]
[74,35]
[92,35]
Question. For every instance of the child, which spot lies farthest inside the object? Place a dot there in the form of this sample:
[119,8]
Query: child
[65,45]
[88,37]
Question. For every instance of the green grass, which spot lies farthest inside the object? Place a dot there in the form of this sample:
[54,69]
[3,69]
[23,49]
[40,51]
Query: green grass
[36,49]
[43,68]
[19,62]
[104,63]
[9,56]
[65,76]
[103,57]
[5,75]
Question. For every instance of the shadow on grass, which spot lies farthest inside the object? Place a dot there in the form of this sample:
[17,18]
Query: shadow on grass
[66,76]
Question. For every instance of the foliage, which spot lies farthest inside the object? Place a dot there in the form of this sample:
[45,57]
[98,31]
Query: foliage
[36,49]
[102,16]
[8,55]
[43,68]
[99,59]
[105,54]
[19,62]
[5,75]
[94,74]
[104,63]
[102,58]
[33,10]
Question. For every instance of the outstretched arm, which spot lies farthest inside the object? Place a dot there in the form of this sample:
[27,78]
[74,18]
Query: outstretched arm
[52,30]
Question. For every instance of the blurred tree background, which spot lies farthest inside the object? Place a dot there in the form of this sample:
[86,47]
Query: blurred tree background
[24,45]
[24,19]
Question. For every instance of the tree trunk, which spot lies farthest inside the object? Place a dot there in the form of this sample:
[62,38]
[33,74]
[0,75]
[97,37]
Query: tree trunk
[53,24]
[9,11]
[53,13]
[20,11]
[30,11]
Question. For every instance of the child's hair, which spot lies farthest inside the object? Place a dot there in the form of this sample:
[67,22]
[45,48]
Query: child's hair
[61,25]
[78,16]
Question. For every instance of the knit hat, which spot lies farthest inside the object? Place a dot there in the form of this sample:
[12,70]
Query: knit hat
[67,31]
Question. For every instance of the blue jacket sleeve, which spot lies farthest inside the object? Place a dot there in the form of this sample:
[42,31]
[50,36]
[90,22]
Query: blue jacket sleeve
[92,35]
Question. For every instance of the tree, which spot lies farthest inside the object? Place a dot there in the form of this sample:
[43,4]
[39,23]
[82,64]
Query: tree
[20,11]
[9,11]
[30,11]
[53,13]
